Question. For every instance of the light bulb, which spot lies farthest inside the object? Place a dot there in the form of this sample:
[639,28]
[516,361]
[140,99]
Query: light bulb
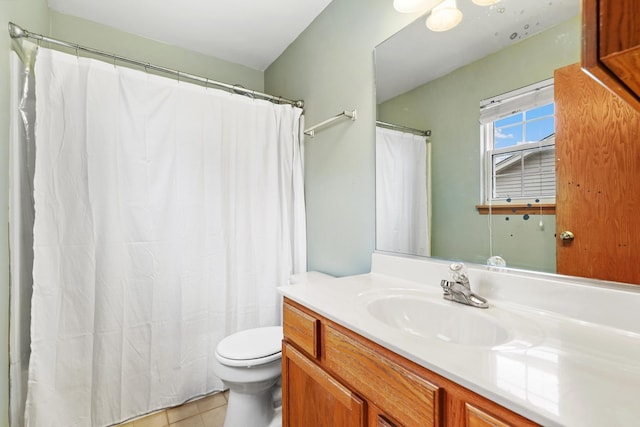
[485,2]
[444,17]
[408,6]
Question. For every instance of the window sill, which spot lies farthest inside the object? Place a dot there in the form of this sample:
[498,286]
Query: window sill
[518,208]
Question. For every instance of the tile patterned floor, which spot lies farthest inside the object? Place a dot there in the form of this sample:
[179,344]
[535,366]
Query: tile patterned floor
[208,411]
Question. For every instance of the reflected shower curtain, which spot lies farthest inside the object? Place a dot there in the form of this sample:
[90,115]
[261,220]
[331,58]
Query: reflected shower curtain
[166,216]
[401,193]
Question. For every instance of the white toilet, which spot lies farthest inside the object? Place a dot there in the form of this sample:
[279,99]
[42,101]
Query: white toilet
[249,362]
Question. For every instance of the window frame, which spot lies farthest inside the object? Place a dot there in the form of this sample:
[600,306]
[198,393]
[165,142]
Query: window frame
[496,108]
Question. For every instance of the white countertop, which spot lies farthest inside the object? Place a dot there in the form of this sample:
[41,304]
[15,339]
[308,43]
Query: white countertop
[572,357]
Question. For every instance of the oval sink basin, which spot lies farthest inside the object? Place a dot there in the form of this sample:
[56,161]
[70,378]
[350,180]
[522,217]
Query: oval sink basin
[426,316]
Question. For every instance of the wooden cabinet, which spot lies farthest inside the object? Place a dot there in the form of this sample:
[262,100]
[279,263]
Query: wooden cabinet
[597,180]
[314,398]
[401,393]
[381,421]
[332,376]
[475,417]
[611,45]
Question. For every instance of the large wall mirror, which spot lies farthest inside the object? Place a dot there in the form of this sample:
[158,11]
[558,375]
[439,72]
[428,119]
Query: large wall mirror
[436,81]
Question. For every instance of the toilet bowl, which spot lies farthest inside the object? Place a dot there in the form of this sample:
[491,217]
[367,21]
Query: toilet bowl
[249,364]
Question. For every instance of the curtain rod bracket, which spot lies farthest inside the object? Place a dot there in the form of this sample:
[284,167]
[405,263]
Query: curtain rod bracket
[15,31]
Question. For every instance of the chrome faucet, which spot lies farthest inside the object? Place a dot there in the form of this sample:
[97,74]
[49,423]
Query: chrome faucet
[458,288]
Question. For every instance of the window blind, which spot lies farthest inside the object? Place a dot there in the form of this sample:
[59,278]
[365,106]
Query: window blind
[525,98]
[530,173]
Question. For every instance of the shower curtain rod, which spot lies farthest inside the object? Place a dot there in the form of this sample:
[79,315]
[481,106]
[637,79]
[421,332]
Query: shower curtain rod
[312,130]
[426,133]
[16,32]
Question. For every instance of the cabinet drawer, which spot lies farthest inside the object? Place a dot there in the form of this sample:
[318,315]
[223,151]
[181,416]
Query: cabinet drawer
[405,396]
[478,418]
[301,329]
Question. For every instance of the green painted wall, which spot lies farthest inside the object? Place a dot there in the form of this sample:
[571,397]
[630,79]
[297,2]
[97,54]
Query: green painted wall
[330,66]
[449,106]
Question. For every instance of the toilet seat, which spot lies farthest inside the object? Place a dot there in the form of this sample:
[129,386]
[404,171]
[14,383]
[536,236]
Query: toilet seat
[251,347]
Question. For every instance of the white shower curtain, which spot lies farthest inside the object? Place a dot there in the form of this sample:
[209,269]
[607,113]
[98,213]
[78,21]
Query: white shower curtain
[401,193]
[21,167]
[166,216]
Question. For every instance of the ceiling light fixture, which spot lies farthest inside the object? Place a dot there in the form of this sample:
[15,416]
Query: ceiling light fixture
[408,6]
[485,2]
[444,16]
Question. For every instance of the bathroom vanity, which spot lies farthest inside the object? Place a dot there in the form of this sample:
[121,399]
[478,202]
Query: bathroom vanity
[336,377]
[385,349]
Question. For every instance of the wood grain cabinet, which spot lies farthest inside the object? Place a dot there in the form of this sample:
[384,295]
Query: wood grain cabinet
[611,45]
[314,398]
[597,179]
[334,377]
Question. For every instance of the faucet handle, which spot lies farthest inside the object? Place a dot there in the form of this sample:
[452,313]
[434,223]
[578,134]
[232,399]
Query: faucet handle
[458,273]
[456,266]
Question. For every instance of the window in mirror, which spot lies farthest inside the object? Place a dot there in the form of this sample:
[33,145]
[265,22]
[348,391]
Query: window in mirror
[518,146]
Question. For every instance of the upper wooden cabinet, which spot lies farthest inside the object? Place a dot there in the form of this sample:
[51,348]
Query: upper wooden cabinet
[611,45]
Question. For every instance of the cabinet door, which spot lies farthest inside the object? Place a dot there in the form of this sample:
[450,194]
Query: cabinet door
[478,418]
[312,398]
[382,421]
[598,180]
[378,418]
[611,45]
[620,40]
[399,392]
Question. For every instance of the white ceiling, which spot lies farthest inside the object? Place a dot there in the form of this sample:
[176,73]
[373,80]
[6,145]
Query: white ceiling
[248,32]
[416,55]
[255,32]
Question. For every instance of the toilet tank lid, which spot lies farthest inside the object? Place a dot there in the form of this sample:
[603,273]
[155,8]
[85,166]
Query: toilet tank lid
[253,343]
